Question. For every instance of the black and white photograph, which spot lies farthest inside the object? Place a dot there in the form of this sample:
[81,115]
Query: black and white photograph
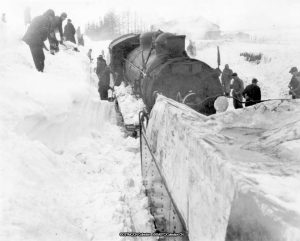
[157,120]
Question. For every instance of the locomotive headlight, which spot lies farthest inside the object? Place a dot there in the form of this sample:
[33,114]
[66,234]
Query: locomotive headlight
[221,104]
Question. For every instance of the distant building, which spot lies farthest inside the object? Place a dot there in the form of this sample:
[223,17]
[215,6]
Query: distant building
[197,28]
[243,36]
[238,36]
[214,32]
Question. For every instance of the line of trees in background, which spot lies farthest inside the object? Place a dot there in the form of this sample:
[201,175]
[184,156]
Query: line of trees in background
[113,25]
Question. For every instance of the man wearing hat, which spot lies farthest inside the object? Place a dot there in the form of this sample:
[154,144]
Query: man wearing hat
[56,26]
[237,91]
[294,84]
[252,93]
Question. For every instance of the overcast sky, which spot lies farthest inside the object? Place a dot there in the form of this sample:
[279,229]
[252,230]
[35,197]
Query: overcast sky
[229,14]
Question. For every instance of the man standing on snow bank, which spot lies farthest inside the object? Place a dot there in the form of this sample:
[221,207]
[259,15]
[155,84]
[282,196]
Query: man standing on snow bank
[294,84]
[69,32]
[237,90]
[35,36]
[226,78]
[252,93]
[56,25]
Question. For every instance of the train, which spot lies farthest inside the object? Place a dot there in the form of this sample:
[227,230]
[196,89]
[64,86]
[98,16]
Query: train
[157,62]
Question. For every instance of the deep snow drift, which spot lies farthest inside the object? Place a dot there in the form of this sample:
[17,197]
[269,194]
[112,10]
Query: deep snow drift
[235,174]
[67,171]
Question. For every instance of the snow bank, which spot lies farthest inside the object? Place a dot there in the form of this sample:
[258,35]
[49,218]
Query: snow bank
[230,174]
[66,171]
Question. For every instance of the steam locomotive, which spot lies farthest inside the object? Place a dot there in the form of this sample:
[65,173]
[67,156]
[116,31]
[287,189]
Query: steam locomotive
[156,62]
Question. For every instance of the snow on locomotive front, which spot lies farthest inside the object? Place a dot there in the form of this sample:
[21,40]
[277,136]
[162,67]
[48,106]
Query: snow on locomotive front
[156,62]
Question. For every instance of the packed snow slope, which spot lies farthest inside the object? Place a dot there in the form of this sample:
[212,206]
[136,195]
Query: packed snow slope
[66,170]
[235,175]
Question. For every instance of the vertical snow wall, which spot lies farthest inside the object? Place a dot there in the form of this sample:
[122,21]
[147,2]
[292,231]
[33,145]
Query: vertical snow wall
[215,190]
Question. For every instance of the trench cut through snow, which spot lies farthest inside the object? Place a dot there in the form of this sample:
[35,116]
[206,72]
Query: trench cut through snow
[234,175]
[67,171]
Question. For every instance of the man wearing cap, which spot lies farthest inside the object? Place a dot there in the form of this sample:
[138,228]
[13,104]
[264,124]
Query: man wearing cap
[56,26]
[237,91]
[35,36]
[252,93]
[294,84]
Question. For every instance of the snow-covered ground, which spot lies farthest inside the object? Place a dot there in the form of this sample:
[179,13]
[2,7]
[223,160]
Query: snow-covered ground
[66,170]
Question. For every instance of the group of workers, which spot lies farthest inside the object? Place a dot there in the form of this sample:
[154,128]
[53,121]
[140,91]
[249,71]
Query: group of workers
[252,93]
[45,27]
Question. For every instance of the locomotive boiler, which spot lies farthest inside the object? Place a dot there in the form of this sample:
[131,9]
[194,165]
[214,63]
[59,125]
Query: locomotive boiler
[156,62]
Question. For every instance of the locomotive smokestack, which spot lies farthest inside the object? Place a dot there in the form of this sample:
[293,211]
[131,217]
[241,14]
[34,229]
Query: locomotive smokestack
[176,45]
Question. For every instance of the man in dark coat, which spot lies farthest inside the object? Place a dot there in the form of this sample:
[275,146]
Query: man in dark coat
[226,79]
[101,65]
[237,90]
[294,84]
[103,84]
[56,25]
[252,93]
[69,32]
[35,36]
[103,73]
